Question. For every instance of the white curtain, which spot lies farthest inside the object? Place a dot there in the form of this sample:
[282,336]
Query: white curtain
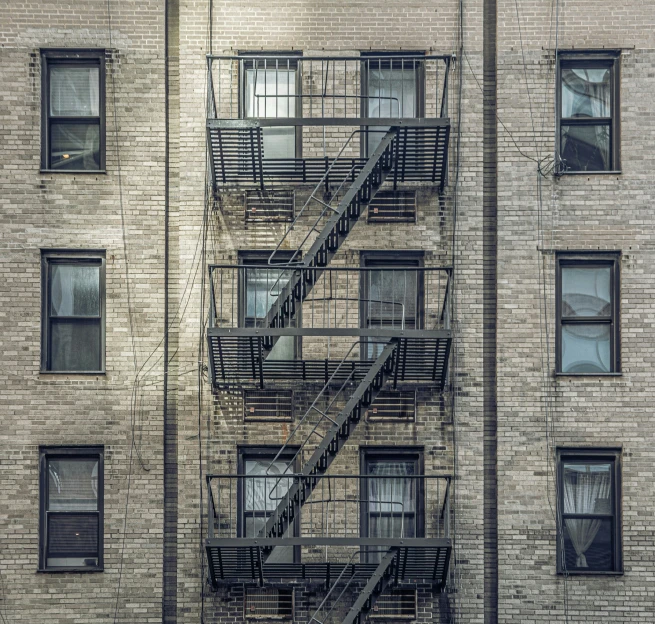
[586,491]
[392,500]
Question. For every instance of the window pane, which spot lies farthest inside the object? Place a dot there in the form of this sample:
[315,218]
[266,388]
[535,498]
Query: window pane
[74,290]
[586,92]
[391,93]
[72,539]
[585,148]
[74,91]
[262,289]
[586,291]
[75,346]
[587,488]
[586,348]
[588,544]
[265,490]
[392,298]
[392,493]
[72,485]
[271,93]
[75,146]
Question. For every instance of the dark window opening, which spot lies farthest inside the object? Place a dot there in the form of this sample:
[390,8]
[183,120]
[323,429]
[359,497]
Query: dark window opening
[73,315]
[73,110]
[588,112]
[589,511]
[588,313]
[71,508]
[261,489]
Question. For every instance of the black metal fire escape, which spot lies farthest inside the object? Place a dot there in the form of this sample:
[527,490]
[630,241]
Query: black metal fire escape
[408,149]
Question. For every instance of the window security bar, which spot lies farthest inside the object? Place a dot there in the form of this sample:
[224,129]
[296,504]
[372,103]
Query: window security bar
[322,87]
[402,298]
[393,507]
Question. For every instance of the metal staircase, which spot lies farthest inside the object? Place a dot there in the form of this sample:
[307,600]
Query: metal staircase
[333,234]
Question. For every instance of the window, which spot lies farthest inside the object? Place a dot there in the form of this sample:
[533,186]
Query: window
[71,508]
[270,603]
[271,88]
[260,286]
[73,110]
[588,313]
[391,293]
[260,491]
[392,497]
[392,87]
[588,111]
[589,539]
[73,300]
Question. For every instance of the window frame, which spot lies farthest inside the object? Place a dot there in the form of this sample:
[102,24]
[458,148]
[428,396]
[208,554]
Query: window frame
[246,453]
[591,59]
[260,257]
[76,58]
[71,256]
[264,56]
[63,452]
[419,81]
[588,258]
[583,455]
[390,454]
[406,259]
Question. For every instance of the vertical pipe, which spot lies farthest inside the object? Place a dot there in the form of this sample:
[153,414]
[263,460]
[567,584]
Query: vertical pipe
[489,310]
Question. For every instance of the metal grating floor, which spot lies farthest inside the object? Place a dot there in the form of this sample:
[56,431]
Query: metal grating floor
[240,360]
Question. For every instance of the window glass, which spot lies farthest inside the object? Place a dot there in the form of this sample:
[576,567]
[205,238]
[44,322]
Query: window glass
[74,146]
[73,485]
[75,345]
[74,290]
[392,92]
[586,92]
[588,507]
[271,93]
[74,91]
[586,291]
[586,148]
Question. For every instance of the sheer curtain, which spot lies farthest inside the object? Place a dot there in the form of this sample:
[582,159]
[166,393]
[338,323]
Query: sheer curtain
[586,491]
[392,500]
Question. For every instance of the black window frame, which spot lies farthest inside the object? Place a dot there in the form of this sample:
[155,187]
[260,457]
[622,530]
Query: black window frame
[262,59]
[582,259]
[260,258]
[245,453]
[74,58]
[389,56]
[390,454]
[73,257]
[591,59]
[590,456]
[47,453]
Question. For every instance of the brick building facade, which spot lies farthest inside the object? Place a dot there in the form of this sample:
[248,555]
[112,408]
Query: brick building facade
[133,163]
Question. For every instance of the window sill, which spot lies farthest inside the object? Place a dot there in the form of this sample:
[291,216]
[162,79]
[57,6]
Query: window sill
[589,374]
[84,570]
[73,373]
[75,171]
[579,173]
[595,573]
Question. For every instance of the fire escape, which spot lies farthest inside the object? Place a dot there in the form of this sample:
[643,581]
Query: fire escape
[345,127]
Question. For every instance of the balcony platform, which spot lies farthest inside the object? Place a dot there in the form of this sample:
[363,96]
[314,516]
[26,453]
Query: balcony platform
[240,559]
[238,158]
[237,356]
